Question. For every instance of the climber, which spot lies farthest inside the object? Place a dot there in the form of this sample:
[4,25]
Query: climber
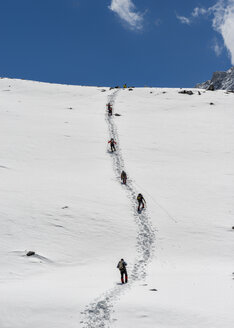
[109,108]
[123,271]
[141,202]
[124,177]
[112,144]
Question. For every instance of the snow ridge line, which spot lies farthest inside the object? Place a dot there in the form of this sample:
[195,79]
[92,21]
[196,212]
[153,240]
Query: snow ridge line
[98,313]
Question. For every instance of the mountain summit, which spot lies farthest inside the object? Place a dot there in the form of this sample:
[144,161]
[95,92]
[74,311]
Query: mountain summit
[220,80]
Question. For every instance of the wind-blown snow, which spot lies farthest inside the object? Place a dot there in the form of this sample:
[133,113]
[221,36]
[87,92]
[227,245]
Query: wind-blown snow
[61,198]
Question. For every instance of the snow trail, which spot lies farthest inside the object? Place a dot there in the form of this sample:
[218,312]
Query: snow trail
[98,313]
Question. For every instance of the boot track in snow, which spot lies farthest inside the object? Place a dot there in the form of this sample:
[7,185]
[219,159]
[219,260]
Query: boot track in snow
[98,313]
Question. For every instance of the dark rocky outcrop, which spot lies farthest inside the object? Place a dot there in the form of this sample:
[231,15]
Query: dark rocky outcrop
[219,81]
[30,253]
[186,92]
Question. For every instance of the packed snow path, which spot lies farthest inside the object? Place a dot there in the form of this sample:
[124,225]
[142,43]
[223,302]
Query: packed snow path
[98,313]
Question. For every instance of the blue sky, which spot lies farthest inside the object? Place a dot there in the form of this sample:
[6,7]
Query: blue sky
[110,42]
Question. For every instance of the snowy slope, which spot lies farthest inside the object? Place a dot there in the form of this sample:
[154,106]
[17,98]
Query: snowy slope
[179,149]
[62,198]
[52,157]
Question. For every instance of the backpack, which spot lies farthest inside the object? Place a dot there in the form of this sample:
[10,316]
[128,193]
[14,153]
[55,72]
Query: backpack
[121,265]
[139,197]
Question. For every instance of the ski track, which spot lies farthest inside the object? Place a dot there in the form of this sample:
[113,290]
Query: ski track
[98,313]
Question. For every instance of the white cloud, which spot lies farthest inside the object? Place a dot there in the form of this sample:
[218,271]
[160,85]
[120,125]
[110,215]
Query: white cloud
[223,22]
[222,16]
[183,19]
[199,11]
[217,48]
[126,10]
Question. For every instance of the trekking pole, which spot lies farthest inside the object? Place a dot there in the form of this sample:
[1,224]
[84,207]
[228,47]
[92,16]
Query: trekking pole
[157,203]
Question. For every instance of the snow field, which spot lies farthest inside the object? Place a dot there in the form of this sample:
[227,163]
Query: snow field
[61,197]
[179,150]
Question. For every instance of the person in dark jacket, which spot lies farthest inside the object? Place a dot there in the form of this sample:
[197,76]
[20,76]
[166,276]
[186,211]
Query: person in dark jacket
[141,202]
[124,177]
[112,144]
[109,108]
[123,271]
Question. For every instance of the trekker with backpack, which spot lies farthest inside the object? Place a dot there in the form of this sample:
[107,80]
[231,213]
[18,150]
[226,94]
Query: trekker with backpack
[124,177]
[109,108]
[141,202]
[112,144]
[123,271]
